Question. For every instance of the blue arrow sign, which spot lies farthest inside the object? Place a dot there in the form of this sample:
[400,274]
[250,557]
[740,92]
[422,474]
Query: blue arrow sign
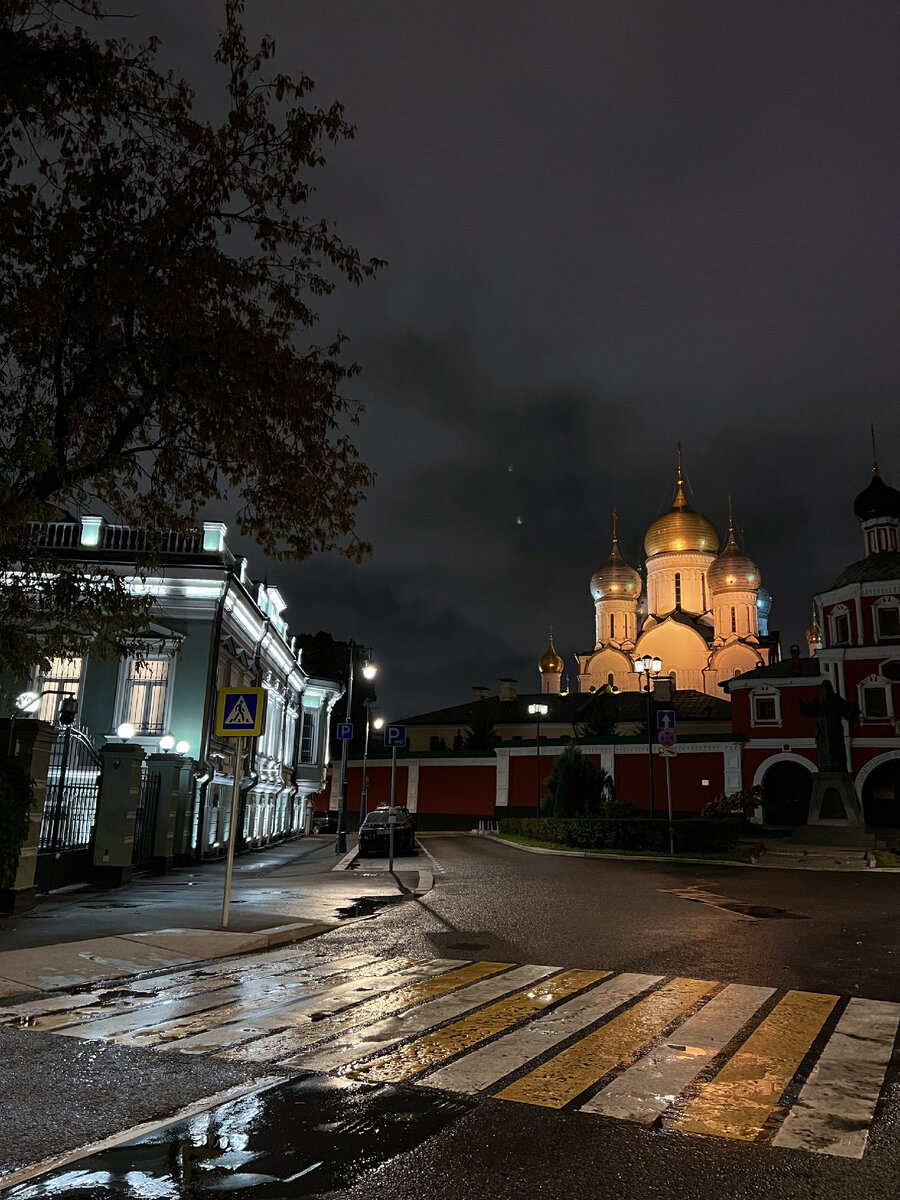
[344,731]
[665,718]
[395,735]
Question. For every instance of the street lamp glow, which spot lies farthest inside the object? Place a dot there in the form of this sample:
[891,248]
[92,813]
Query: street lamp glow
[378,723]
[182,747]
[538,710]
[166,743]
[28,702]
[125,731]
[369,670]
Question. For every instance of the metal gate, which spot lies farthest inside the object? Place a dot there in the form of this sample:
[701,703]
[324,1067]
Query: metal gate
[145,820]
[66,845]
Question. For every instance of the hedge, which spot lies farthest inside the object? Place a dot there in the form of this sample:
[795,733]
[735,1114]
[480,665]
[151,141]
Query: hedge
[700,836]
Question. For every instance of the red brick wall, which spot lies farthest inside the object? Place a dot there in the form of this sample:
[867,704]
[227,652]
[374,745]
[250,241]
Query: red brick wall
[458,789]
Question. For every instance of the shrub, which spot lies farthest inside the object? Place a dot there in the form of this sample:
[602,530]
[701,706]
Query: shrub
[575,787]
[693,835]
[16,801]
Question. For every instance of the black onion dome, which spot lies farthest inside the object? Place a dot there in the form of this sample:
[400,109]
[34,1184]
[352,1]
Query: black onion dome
[877,500]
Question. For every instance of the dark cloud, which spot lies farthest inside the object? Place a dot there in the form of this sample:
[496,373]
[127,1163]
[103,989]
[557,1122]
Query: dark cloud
[610,228]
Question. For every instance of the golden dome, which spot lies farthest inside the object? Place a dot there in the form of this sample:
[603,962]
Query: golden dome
[733,570]
[681,528]
[615,580]
[814,633]
[550,663]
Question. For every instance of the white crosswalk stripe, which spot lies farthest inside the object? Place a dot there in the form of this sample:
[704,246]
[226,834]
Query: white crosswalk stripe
[630,1046]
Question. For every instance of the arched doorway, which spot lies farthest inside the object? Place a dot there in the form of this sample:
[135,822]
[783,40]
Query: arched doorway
[787,786]
[881,795]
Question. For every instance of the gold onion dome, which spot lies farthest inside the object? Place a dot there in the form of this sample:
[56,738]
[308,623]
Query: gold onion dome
[733,570]
[615,580]
[681,528]
[550,663]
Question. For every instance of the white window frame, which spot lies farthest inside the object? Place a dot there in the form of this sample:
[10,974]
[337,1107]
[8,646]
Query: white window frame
[123,690]
[882,603]
[49,704]
[875,683]
[839,611]
[765,693]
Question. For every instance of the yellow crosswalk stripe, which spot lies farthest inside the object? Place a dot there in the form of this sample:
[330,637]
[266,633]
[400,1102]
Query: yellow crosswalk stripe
[570,1073]
[737,1103]
[471,1031]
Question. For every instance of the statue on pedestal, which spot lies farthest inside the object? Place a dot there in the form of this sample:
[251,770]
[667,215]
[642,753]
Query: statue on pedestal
[830,711]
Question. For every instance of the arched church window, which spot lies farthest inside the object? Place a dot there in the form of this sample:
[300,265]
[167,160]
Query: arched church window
[610,679]
[733,619]
[703,591]
[678,589]
[612,625]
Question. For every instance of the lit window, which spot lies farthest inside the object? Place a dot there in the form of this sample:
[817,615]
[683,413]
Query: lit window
[308,733]
[146,689]
[64,677]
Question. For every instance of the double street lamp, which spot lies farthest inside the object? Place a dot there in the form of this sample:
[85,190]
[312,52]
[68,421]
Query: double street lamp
[369,671]
[648,668]
[538,711]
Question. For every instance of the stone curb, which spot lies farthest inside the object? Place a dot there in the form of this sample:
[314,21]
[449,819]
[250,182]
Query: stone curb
[666,858]
[160,940]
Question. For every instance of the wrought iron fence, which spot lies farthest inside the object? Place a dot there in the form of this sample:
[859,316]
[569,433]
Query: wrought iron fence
[70,802]
[145,819]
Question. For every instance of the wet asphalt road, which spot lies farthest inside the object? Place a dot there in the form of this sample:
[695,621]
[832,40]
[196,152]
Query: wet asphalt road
[326,1137]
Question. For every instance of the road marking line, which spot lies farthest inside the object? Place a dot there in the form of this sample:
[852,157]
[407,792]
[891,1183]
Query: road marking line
[738,1102]
[285,1006]
[644,1091]
[361,1041]
[441,1044]
[572,1072]
[834,1111]
[487,1066]
[290,1042]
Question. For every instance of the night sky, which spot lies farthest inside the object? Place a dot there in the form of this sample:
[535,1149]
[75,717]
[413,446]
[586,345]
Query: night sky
[610,226]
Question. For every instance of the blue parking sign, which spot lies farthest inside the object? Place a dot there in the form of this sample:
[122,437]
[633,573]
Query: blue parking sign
[344,731]
[395,735]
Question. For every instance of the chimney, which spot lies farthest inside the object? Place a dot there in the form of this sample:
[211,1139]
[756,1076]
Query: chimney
[795,660]
[481,692]
[508,689]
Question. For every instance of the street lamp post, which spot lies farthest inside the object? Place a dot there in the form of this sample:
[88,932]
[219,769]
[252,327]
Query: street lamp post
[369,672]
[377,723]
[648,668]
[538,711]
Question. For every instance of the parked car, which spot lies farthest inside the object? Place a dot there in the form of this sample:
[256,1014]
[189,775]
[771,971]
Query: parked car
[324,821]
[375,834]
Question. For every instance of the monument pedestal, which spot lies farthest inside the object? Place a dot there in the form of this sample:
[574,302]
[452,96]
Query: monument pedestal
[835,814]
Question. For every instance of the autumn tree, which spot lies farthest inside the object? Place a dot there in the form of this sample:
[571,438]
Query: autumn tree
[159,277]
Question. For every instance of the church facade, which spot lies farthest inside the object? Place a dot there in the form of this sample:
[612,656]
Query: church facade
[702,611]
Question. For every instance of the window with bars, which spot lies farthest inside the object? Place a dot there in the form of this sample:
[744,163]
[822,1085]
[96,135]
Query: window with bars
[146,690]
[64,677]
[678,589]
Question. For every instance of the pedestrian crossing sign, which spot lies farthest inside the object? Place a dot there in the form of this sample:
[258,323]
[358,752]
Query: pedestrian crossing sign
[240,712]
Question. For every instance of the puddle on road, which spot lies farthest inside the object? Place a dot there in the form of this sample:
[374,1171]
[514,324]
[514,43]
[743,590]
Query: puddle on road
[308,1137]
[368,906]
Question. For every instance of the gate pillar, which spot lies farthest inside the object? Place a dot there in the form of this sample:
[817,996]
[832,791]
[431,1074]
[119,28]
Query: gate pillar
[172,804]
[120,790]
[32,741]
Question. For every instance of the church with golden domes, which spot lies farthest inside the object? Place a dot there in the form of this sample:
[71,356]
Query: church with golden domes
[703,611]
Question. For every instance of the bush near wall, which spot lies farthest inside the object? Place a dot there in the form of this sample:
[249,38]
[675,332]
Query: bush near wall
[635,833]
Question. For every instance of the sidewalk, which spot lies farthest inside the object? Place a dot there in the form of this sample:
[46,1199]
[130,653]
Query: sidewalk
[280,894]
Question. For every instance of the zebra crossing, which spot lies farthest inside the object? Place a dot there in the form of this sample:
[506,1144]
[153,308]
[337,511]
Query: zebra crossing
[793,1069]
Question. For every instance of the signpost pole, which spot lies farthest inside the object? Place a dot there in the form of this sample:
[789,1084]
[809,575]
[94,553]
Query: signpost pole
[669,801]
[232,831]
[392,814]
